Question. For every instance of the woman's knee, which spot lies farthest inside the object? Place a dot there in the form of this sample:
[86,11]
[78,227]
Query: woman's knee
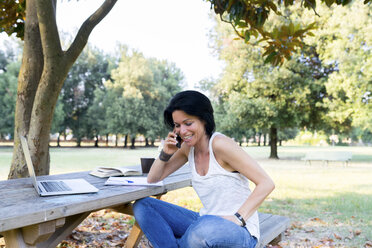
[140,206]
[213,231]
[201,232]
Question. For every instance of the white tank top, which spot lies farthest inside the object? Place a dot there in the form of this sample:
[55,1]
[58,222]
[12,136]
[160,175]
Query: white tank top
[220,191]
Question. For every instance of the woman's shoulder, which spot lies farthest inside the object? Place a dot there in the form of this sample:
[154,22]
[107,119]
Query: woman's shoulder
[222,142]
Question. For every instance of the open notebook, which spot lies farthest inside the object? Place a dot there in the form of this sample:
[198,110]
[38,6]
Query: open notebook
[55,187]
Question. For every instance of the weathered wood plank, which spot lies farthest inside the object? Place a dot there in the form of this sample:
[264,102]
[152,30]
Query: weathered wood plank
[14,238]
[62,232]
[134,237]
[23,207]
[40,232]
[271,227]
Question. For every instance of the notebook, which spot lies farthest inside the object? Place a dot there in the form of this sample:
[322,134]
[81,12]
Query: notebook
[55,187]
[131,181]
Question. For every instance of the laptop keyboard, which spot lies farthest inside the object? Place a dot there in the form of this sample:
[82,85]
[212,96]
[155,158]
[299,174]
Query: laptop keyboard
[55,186]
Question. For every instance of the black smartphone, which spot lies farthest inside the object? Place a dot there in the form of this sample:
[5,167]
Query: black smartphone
[179,141]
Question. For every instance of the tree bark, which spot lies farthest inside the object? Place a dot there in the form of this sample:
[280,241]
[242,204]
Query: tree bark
[273,143]
[96,141]
[126,141]
[133,146]
[44,68]
[28,81]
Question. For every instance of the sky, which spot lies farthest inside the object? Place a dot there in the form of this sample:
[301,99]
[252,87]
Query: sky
[175,30]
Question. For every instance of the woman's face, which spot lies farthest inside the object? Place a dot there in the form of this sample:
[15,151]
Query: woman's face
[189,127]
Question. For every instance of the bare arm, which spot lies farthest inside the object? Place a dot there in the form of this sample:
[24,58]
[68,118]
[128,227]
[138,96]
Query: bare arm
[233,158]
[160,169]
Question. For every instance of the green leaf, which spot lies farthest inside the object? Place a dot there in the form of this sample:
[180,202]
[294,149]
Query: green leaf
[310,34]
[272,6]
[291,28]
[247,36]
[275,33]
[329,2]
[271,57]
[254,33]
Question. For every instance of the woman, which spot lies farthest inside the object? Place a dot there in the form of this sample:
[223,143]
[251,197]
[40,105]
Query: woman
[221,171]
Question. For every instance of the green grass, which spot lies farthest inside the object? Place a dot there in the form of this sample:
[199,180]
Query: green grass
[324,202]
[64,160]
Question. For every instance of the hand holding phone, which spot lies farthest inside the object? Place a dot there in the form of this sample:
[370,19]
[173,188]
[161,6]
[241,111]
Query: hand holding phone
[179,141]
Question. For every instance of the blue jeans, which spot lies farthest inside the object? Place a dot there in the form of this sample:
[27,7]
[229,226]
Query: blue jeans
[168,225]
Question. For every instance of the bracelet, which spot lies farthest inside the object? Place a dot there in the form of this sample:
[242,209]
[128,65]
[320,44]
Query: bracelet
[164,156]
[240,218]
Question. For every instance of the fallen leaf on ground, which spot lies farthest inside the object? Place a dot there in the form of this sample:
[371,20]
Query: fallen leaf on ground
[357,232]
[296,224]
[318,220]
[368,244]
[337,236]
[327,241]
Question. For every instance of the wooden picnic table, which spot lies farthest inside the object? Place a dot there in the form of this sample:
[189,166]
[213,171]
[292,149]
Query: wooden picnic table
[28,220]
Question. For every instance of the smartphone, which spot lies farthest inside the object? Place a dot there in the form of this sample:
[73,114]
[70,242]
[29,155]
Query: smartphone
[179,141]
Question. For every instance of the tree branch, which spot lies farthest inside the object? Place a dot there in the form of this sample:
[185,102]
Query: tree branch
[46,12]
[82,36]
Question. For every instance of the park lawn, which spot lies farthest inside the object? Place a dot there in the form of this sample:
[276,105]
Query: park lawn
[329,206]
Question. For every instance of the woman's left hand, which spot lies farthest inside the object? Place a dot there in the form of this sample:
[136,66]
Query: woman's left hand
[231,218]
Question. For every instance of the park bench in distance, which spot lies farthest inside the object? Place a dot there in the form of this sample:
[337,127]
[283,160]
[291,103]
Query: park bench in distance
[326,156]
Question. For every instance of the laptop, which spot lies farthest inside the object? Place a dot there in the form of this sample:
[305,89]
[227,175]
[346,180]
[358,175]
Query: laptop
[55,187]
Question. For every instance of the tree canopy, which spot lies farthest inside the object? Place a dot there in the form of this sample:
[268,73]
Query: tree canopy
[247,17]
[303,92]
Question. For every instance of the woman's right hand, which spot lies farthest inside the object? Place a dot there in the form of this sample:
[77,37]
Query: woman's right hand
[170,143]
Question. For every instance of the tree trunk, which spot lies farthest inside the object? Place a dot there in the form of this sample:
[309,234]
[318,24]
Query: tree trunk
[265,138]
[96,141]
[58,140]
[44,68]
[273,143]
[126,141]
[133,141]
[107,139]
[28,81]
[147,142]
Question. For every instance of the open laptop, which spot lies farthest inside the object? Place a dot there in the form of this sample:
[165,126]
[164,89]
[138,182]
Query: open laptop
[55,187]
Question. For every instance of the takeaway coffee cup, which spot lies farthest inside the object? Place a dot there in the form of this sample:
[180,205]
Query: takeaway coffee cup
[146,164]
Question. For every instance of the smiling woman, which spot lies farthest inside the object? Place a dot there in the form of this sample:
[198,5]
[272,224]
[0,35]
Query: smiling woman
[220,171]
[174,30]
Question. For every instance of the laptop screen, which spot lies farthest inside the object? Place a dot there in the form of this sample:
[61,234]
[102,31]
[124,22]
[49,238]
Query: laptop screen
[30,166]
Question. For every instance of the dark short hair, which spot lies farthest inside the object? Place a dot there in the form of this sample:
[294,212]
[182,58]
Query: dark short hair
[192,103]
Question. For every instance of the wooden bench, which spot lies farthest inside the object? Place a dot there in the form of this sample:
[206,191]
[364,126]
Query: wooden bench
[272,228]
[325,157]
